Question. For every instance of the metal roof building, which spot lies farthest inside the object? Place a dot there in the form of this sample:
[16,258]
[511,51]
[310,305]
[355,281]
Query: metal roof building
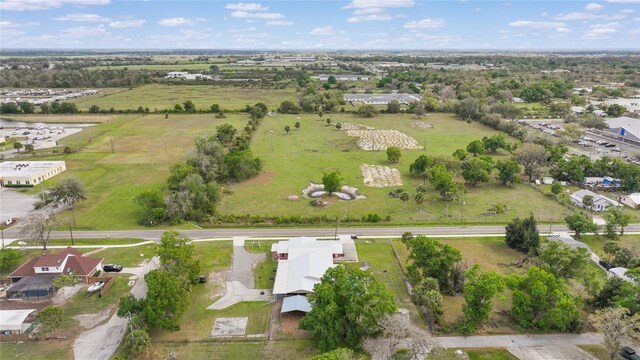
[29,173]
[624,128]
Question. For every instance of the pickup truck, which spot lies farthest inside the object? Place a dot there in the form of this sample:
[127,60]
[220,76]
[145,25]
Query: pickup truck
[629,354]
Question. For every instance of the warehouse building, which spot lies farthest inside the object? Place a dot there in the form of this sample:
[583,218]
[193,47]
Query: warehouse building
[625,129]
[344,77]
[29,173]
[382,99]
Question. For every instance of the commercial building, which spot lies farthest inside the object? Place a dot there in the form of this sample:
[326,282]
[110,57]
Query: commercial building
[29,173]
[625,129]
[382,99]
[343,77]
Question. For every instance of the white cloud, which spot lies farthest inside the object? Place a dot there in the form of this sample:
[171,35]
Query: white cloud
[83,31]
[242,30]
[279,23]
[601,31]
[326,30]
[476,10]
[371,17]
[593,7]
[634,32]
[246,7]
[249,15]
[425,24]
[360,4]
[587,16]
[29,5]
[368,10]
[179,21]
[623,1]
[538,25]
[82,17]
[128,23]
[627,11]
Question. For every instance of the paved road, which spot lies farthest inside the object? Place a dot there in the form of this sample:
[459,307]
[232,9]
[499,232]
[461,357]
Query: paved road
[506,341]
[101,342]
[229,233]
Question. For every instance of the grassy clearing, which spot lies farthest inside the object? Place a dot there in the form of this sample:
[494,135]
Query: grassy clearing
[292,161]
[281,350]
[631,242]
[41,350]
[474,354]
[161,97]
[264,274]
[144,149]
[599,351]
[197,321]
[386,269]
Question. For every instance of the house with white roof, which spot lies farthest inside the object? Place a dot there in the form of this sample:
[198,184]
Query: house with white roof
[301,264]
[631,200]
[600,203]
[568,240]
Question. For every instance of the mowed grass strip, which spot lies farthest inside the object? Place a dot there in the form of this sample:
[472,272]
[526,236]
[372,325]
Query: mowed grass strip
[281,350]
[293,160]
[160,97]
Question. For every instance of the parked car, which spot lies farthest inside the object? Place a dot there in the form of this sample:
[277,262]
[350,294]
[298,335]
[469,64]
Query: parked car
[605,264]
[111,268]
[629,354]
[610,145]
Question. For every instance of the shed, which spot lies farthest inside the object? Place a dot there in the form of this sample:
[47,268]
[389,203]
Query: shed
[14,321]
[295,303]
[632,200]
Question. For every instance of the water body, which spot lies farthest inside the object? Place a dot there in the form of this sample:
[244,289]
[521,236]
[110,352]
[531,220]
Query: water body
[6,123]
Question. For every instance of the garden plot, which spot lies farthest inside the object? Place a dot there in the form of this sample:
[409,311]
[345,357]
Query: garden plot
[356,126]
[374,140]
[378,176]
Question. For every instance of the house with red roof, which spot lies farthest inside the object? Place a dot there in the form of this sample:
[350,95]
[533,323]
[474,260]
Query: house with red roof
[67,261]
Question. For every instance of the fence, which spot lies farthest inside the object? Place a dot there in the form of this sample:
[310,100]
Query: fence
[108,282]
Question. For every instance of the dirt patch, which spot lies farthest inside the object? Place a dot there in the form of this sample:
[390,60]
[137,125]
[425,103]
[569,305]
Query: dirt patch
[421,125]
[356,126]
[378,176]
[376,140]
[217,279]
[289,323]
[264,177]
[89,321]
[66,293]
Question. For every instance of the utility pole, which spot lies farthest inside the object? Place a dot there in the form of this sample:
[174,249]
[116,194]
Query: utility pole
[71,234]
[335,237]
[111,141]
[2,232]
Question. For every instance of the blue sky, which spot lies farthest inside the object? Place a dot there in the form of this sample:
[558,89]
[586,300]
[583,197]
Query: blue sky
[350,25]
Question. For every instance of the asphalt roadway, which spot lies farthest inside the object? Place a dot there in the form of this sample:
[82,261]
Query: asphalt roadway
[229,233]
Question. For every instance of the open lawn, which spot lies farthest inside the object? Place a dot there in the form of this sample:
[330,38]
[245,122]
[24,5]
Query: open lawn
[385,267]
[78,242]
[38,350]
[473,354]
[279,350]
[144,148]
[631,242]
[264,274]
[127,257]
[197,321]
[160,97]
[292,160]
[599,351]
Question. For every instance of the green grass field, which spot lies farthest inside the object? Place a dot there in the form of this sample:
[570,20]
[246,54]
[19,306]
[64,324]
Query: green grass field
[205,350]
[473,354]
[292,161]
[160,97]
[127,257]
[145,147]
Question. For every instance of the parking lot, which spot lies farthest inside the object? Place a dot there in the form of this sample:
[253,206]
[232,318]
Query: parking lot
[40,137]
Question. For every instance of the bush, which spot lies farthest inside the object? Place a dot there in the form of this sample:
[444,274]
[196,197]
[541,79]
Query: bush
[9,258]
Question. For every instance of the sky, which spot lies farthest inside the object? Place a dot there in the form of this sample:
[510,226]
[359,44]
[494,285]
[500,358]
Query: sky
[321,25]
